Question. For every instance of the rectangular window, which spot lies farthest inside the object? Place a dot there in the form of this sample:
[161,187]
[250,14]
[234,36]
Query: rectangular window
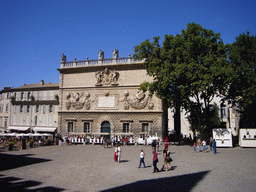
[28,95]
[28,109]
[21,108]
[35,119]
[5,122]
[43,120]
[86,127]
[27,120]
[45,95]
[51,95]
[14,119]
[21,96]
[50,120]
[126,128]
[21,120]
[6,108]
[37,108]
[38,95]
[50,108]
[70,126]
[144,127]
[44,109]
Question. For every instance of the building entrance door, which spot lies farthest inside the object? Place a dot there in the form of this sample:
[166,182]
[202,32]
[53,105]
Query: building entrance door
[105,127]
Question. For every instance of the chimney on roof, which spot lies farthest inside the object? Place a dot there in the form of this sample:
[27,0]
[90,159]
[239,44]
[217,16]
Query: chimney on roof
[42,82]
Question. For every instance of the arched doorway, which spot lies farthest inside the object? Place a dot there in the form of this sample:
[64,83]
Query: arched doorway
[105,127]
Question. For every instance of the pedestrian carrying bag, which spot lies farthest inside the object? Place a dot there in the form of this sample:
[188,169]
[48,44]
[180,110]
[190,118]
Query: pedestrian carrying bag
[156,160]
[169,159]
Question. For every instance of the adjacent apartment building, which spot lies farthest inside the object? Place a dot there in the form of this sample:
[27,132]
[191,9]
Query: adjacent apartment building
[30,108]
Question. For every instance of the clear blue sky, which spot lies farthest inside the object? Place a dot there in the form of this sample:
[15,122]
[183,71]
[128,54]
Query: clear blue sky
[35,33]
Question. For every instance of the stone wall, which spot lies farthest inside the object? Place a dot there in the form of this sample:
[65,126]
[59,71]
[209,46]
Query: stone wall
[115,120]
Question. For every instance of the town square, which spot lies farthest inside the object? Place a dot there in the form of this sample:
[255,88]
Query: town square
[92,168]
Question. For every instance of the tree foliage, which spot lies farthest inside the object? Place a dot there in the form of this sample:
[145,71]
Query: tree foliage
[242,90]
[187,70]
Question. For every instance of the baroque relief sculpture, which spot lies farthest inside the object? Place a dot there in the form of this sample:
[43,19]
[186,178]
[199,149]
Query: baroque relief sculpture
[75,101]
[106,77]
[139,101]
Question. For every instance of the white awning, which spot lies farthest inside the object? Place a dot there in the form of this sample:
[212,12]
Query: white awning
[45,129]
[18,128]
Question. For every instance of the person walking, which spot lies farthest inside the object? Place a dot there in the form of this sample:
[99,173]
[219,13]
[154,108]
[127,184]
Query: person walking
[155,160]
[211,141]
[157,145]
[154,144]
[165,161]
[204,146]
[118,152]
[142,155]
[194,147]
[166,143]
[214,146]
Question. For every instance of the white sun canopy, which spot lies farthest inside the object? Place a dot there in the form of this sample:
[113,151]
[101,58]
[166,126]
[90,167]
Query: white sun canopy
[18,128]
[45,129]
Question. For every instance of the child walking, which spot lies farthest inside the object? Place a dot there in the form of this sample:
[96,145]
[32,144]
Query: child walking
[142,155]
[194,147]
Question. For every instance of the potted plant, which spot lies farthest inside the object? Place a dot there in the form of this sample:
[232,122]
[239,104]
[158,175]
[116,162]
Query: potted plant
[10,145]
[32,98]
[57,97]
[31,142]
[48,141]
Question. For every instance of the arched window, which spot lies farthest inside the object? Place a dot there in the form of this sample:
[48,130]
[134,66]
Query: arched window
[105,127]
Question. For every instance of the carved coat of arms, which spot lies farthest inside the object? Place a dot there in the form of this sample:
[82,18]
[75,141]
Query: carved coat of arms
[106,77]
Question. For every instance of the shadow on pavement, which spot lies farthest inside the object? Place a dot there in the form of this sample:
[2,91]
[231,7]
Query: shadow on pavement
[124,161]
[9,184]
[8,161]
[177,183]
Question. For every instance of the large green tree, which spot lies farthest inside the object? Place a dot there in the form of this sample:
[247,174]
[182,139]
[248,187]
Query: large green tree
[242,91]
[188,70]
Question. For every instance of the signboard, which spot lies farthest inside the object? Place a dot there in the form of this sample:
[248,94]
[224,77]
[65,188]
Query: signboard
[106,102]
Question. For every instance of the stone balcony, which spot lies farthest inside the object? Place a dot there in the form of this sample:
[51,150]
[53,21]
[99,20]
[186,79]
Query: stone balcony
[34,101]
[99,62]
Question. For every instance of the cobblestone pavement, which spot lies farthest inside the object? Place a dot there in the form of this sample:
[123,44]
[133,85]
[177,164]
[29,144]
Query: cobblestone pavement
[92,168]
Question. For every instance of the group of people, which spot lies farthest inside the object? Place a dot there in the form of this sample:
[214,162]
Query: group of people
[204,144]
[18,142]
[155,144]
[166,157]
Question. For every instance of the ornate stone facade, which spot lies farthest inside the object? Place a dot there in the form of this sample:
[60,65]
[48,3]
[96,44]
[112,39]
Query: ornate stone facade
[106,91]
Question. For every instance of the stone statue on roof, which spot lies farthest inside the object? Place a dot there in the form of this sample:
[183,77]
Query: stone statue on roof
[115,54]
[63,58]
[101,54]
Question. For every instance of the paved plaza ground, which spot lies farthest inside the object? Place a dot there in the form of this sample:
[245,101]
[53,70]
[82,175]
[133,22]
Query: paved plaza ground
[92,168]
